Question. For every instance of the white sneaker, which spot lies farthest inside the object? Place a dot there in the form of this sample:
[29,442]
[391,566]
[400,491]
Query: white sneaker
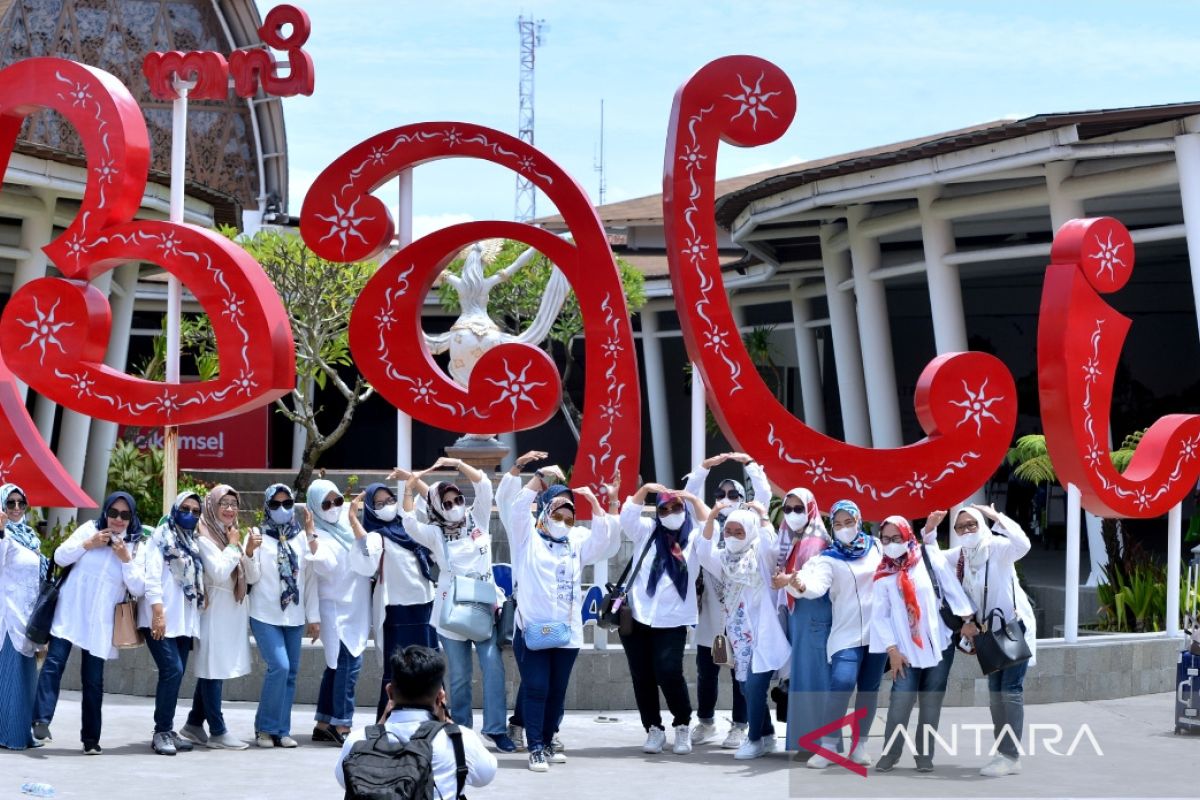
[771,743]
[736,737]
[859,755]
[538,762]
[555,756]
[683,740]
[656,739]
[226,741]
[1001,766]
[194,734]
[703,732]
[751,749]
[818,761]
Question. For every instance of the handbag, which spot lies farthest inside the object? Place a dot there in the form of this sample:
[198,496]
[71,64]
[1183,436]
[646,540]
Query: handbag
[951,620]
[506,623]
[615,611]
[1000,646]
[125,630]
[41,617]
[469,607]
[547,635]
[720,650]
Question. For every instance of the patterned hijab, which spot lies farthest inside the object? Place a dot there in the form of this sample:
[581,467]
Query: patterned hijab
[394,531]
[862,542]
[20,531]
[668,550]
[285,559]
[340,531]
[548,502]
[181,552]
[741,568]
[797,547]
[134,531]
[212,527]
[902,567]
[972,563]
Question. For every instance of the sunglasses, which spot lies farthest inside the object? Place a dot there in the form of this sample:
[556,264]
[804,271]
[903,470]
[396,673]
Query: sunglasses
[732,494]
[15,504]
[449,504]
[112,513]
[335,502]
[193,510]
[275,505]
[674,508]
[793,509]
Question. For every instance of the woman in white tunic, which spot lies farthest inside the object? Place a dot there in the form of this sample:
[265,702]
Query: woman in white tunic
[103,572]
[344,568]
[757,644]
[169,613]
[223,651]
[22,568]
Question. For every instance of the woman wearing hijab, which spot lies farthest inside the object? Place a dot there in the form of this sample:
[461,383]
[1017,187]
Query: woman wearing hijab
[663,600]
[103,571]
[756,642]
[22,568]
[457,537]
[549,552]
[282,603]
[711,614]
[906,625]
[802,535]
[985,563]
[169,615]
[344,567]
[846,572]
[223,651]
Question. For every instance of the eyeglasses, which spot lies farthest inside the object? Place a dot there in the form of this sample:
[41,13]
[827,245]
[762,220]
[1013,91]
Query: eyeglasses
[793,509]
[12,505]
[335,502]
[732,494]
[897,539]
[228,504]
[112,513]
[457,501]
[275,505]
[384,503]
[845,526]
[968,527]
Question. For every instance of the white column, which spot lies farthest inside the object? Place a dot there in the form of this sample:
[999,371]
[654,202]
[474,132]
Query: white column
[873,325]
[36,232]
[404,236]
[813,397]
[656,397]
[104,433]
[1071,582]
[945,287]
[698,416]
[1063,209]
[847,355]
[1187,157]
[1174,554]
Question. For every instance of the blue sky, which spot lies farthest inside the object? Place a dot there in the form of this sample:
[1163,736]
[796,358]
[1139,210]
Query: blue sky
[866,73]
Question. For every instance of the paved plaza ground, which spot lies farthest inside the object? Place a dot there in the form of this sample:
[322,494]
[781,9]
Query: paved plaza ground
[1141,758]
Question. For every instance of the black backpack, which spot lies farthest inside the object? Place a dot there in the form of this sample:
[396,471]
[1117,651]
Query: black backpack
[381,767]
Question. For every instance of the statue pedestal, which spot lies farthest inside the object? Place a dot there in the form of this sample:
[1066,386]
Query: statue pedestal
[480,452]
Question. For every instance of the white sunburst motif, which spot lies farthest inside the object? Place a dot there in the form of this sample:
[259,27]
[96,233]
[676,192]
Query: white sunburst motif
[106,170]
[169,244]
[1091,370]
[1108,257]
[918,485]
[78,94]
[343,224]
[515,387]
[694,249]
[453,137]
[977,406]
[1189,448]
[166,402]
[44,328]
[753,101]
[692,157]
[244,384]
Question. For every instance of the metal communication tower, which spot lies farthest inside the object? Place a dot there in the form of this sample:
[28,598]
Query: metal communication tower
[531,38]
[599,164]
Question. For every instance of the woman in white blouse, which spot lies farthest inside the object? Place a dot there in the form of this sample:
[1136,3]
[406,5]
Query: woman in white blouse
[549,552]
[169,613]
[906,624]
[282,603]
[756,642]
[223,651]
[846,572]
[103,573]
[985,563]
[662,594]
[344,568]
[457,536]
[22,568]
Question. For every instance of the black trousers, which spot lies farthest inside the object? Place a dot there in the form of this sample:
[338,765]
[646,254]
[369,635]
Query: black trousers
[655,658]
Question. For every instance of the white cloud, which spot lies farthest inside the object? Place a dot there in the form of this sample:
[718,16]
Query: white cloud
[424,224]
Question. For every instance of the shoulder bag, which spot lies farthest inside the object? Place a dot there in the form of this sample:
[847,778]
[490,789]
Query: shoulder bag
[469,607]
[41,617]
[951,620]
[615,611]
[125,628]
[549,635]
[1000,646]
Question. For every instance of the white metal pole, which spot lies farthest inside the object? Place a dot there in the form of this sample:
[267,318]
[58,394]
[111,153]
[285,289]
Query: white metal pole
[1071,583]
[179,110]
[660,426]
[404,237]
[1187,157]
[1174,554]
[698,415]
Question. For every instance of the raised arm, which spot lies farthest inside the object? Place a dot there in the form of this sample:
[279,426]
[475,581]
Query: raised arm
[1016,543]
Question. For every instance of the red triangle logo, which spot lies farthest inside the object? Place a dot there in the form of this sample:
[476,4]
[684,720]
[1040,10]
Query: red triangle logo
[812,740]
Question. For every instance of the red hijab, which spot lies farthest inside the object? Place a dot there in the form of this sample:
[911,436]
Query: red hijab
[902,566]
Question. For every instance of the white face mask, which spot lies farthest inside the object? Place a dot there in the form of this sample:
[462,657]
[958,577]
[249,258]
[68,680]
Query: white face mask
[796,521]
[673,522]
[970,540]
[895,550]
[558,528]
[846,535]
[331,515]
[736,544]
[387,513]
[280,516]
[456,514]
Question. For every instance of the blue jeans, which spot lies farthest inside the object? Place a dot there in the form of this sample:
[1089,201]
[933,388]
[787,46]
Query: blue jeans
[491,662]
[206,706]
[335,702]
[1006,696]
[853,668]
[708,677]
[544,678]
[402,626]
[280,649]
[925,688]
[171,657]
[758,720]
[809,624]
[91,672]
[518,720]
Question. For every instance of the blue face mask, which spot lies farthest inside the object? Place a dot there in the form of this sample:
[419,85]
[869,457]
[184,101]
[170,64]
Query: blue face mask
[280,516]
[186,521]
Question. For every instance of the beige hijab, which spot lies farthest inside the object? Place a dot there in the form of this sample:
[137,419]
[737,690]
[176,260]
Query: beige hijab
[215,530]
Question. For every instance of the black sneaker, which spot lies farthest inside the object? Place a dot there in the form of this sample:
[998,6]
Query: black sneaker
[41,732]
[924,765]
[328,736]
[92,749]
[885,764]
[502,742]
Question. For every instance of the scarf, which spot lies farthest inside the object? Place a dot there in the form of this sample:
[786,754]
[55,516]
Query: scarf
[668,551]
[340,531]
[546,505]
[796,548]
[181,552]
[285,560]
[971,568]
[862,542]
[133,532]
[901,567]
[741,570]
[20,531]
[212,528]
[394,531]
